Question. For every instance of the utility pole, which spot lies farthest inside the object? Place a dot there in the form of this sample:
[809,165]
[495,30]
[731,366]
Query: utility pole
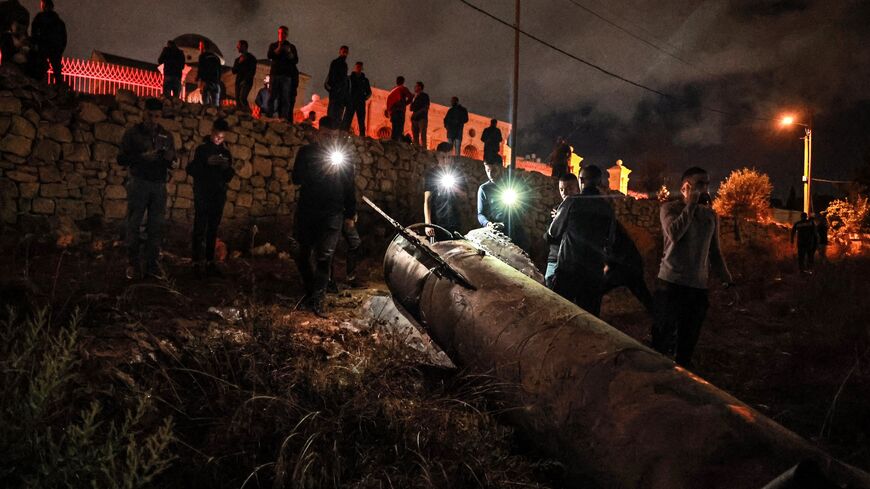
[808,170]
[516,94]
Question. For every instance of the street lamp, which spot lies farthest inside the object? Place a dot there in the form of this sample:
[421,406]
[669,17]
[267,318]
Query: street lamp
[808,160]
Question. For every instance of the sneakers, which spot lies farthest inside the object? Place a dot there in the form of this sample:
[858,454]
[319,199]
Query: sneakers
[318,308]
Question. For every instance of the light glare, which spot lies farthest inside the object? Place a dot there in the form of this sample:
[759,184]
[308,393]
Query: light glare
[447,181]
[510,197]
[336,157]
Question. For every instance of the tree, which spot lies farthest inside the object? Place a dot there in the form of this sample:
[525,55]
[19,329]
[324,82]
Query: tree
[847,216]
[745,194]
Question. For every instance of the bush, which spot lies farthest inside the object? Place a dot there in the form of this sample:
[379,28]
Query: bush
[745,194]
[45,440]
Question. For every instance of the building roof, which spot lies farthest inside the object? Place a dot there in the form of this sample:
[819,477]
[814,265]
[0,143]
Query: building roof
[123,61]
[191,41]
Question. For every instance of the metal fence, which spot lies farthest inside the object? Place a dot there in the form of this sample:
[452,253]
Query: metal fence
[100,78]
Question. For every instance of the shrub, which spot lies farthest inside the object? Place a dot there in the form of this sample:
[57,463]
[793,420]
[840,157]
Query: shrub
[745,194]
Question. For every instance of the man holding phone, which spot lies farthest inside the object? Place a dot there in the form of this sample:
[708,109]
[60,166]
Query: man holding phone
[148,151]
[691,248]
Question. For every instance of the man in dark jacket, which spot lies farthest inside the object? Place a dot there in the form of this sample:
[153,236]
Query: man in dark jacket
[336,85]
[454,122]
[807,240]
[443,193]
[211,169]
[397,104]
[360,92]
[560,158]
[624,267]
[208,75]
[284,74]
[172,60]
[245,68]
[569,186]
[48,34]
[420,115]
[148,151]
[498,205]
[327,201]
[492,139]
[584,224]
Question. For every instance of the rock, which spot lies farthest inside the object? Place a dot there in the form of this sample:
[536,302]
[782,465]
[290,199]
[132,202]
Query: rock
[42,206]
[5,124]
[22,127]
[185,190]
[244,200]
[240,152]
[76,152]
[205,126]
[245,171]
[59,133]
[75,209]
[280,151]
[47,150]
[108,132]
[235,183]
[263,166]
[17,145]
[281,175]
[8,210]
[49,174]
[28,190]
[54,190]
[183,203]
[20,176]
[106,152]
[124,96]
[116,192]
[115,209]
[261,150]
[91,113]
[10,105]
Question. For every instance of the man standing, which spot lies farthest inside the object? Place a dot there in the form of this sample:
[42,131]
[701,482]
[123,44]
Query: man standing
[172,60]
[360,92]
[560,158]
[48,34]
[211,169]
[569,186]
[584,225]
[397,103]
[807,239]
[443,193]
[245,68]
[327,201]
[497,203]
[336,85]
[264,99]
[148,151]
[691,249]
[284,74]
[492,139]
[208,74]
[420,115]
[454,122]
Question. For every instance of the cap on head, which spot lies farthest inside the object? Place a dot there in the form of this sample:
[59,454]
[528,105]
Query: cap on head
[153,104]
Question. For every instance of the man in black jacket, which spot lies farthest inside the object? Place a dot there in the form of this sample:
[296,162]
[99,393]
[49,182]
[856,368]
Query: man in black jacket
[454,122]
[807,240]
[327,200]
[284,74]
[584,225]
[208,75]
[360,92]
[172,60]
[569,186]
[48,34]
[443,193]
[492,139]
[336,85]
[420,115]
[245,68]
[148,151]
[625,268]
[211,169]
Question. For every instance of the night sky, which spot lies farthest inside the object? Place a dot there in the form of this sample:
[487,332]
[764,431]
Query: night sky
[750,58]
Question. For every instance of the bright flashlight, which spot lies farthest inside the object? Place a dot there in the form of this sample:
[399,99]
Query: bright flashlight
[336,157]
[510,197]
[447,181]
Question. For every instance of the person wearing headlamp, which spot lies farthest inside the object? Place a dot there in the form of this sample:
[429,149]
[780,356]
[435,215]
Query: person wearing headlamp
[498,204]
[443,190]
[327,202]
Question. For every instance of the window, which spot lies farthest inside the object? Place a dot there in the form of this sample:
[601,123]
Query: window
[471,152]
[384,133]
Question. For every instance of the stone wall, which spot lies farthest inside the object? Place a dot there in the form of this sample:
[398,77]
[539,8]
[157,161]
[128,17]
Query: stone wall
[59,171]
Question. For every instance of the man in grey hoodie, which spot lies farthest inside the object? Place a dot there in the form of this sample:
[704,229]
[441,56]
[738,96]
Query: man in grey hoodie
[691,249]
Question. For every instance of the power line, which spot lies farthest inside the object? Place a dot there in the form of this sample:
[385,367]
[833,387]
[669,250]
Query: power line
[637,37]
[600,68]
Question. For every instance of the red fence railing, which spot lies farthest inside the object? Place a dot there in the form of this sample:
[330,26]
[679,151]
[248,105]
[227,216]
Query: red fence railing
[99,78]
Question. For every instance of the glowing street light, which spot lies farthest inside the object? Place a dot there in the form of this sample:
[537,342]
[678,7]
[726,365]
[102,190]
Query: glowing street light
[808,160]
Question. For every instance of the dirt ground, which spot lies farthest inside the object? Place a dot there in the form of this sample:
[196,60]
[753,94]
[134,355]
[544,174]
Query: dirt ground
[793,346]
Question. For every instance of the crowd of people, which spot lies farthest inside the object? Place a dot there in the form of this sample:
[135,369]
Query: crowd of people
[32,48]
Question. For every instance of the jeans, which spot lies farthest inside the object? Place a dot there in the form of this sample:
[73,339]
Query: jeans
[355,108]
[211,94]
[283,96]
[397,119]
[336,107]
[172,86]
[243,90]
[419,128]
[549,274]
[457,145]
[354,242]
[145,196]
[317,236]
[208,204]
[680,312]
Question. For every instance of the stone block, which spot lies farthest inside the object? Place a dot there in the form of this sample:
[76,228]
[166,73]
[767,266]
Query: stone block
[28,190]
[8,211]
[42,206]
[16,145]
[240,152]
[228,210]
[91,113]
[183,203]
[205,126]
[76,152]
[10,105]
[116,192]
[115,209]
[22,127]
[108,132]
[258,181]
[184,190]
[244,200]
[49,174]
[259,194]
[91,195]
[263,166]
[281,175]
[280,151]
[47,150]
[54,190]
[179,215]
[72,208]
[245,171]
[235,183]
[21,176]
[261,150]
[106,152]
[124,96]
